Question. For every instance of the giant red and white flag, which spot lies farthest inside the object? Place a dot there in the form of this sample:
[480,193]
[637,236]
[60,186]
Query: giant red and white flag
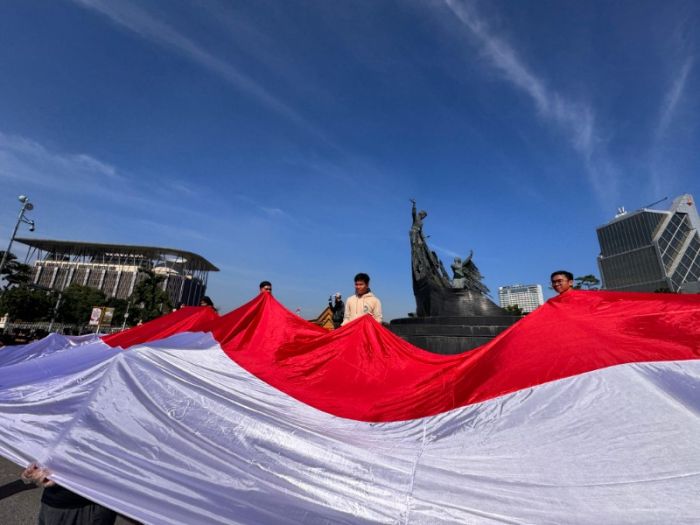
[586,411]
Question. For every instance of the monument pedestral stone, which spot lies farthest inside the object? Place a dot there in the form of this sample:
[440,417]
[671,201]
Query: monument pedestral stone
[452,315]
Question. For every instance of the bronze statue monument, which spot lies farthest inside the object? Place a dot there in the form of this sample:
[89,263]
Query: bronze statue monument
[452,315]
[438,295]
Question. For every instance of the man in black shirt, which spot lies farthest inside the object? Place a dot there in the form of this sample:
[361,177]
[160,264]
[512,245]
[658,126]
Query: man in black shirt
[338,309]
[60,506]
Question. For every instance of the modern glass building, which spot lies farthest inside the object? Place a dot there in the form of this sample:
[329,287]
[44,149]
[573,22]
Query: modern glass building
[526,296]
[649,250]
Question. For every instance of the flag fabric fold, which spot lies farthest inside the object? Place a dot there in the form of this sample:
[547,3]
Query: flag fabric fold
[186,319]
[586,411]
[11,355]
[363,371]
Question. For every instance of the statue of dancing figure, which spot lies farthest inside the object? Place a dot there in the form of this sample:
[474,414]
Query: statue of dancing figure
[467,275]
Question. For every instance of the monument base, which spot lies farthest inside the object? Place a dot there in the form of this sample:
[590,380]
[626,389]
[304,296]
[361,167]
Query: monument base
[451,335]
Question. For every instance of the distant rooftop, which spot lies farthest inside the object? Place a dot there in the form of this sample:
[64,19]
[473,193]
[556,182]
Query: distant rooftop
[681,203]
[95,249]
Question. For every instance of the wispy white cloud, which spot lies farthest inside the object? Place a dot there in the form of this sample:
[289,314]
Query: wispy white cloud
[661,168]
[181,187]
[575,119]
[273,212]
[91,164]
[269,49]
[445,251]
[136,19]
[673,96]
[82,188]
[30,162]
[259,208]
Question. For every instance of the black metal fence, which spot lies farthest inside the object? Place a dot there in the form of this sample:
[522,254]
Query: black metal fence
[19,333]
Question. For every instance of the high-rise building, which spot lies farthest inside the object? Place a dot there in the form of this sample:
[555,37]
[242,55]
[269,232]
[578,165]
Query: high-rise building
[649,250]
[526,296]
[116,269]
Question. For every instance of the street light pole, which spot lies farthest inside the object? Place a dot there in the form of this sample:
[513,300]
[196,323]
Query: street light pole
[26,206]
[126,315]
[55,310]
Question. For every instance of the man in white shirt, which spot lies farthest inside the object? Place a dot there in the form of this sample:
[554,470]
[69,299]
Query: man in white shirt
[363,302]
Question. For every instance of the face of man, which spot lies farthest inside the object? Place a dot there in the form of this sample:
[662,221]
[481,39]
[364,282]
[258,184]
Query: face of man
[561,284]
[361,288]
[266,289]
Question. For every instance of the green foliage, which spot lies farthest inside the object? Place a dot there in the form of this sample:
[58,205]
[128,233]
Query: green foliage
[78,302]
[25,304]
[119,306]
[587,282]
[14,272]
[514,309]
[149,298]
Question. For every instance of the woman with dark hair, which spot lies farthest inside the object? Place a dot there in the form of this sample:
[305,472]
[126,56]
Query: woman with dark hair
[206,301]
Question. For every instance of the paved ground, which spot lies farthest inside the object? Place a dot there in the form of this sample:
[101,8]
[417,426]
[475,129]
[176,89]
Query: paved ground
[16,509]
[20,508]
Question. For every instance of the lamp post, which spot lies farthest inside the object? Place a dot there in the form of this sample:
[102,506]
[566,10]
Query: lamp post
[126,315]
[26,206]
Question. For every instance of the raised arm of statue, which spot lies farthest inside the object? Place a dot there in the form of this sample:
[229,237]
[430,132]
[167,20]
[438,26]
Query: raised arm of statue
[469,258]
[417,217]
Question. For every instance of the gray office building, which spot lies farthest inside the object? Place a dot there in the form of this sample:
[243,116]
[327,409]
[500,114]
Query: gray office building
[649,250]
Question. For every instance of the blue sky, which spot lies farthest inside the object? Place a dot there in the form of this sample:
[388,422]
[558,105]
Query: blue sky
[282,140]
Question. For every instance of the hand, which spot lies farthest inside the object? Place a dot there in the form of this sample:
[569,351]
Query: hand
[37,475]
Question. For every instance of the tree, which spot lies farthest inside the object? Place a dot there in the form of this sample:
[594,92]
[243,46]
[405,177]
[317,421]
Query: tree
[120,306]
[514,309]
[587,282]
[22,303]
[149,298]
[77,304]
[14,272]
